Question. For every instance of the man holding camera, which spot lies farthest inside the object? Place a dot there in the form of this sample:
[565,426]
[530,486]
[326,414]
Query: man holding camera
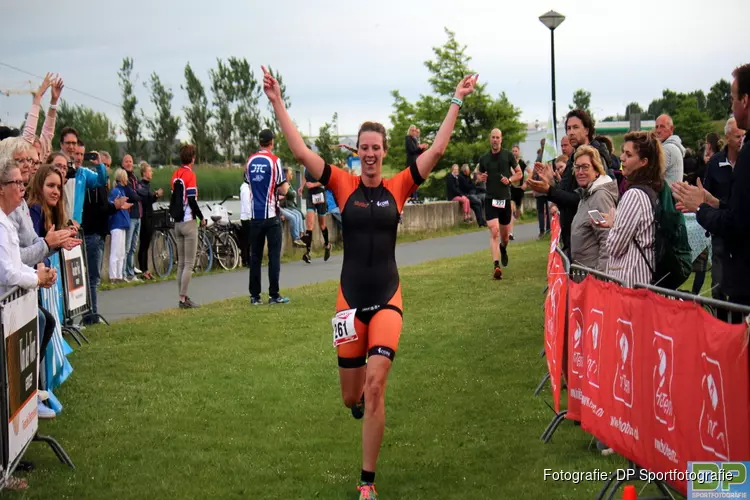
[82,178]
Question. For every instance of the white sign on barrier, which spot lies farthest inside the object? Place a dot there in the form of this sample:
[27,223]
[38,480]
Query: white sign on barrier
[74,273]
[20,328]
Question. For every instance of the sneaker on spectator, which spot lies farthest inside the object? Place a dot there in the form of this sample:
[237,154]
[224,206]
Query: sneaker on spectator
[43,395]
[278,300]
[256,301]
[137,271]
[299,243]
[188,304]
[44,411]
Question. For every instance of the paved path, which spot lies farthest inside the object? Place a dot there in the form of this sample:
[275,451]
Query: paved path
[129,302]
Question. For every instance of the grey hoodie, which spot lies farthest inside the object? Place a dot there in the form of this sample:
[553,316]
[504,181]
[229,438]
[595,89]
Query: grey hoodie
[588,242]
[674,152]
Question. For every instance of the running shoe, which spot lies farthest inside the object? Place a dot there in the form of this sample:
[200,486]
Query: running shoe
[306,257]
[256,301]
[327,253]
[278,300]
[358,410]
[504,255]
[367,491]
[498,275]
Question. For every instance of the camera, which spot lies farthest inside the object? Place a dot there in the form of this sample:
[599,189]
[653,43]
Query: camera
[91,156]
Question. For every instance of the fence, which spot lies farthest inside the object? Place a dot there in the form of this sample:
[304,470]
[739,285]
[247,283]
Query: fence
[647,372]
[19,377]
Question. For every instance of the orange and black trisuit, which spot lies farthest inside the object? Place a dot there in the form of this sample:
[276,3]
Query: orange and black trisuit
[369,275]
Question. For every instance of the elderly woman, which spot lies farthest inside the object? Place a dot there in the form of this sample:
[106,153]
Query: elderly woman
[13,272]
[598,194]
[119,222]
[630,243]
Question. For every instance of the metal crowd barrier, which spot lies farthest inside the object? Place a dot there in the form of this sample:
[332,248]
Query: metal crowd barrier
[737,314]
[19,379]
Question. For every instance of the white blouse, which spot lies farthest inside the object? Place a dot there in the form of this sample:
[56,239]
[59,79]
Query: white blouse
[13,272]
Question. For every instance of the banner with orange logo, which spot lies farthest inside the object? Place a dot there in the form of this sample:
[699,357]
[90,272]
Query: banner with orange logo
[555,306]
[660,381]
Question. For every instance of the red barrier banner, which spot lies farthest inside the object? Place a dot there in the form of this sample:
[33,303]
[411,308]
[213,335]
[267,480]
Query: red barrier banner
[554,314]
[660,381]
[576,325]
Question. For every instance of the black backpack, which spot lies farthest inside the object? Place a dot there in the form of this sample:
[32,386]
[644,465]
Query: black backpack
[673,264]
[177,201]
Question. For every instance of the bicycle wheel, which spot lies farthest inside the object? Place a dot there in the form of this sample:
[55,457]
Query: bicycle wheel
[226,251]
[204,255]
[161,254]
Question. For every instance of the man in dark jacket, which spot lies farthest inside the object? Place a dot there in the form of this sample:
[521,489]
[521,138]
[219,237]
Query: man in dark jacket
[729,218]
[96,212]
[148,198]
[718,182]
[580,132]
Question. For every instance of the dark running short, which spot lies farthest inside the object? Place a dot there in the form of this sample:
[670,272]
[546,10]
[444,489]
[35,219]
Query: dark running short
[320,208]
[501,214]
[517,194]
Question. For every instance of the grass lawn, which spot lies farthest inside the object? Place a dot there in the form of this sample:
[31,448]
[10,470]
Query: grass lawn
[230,401]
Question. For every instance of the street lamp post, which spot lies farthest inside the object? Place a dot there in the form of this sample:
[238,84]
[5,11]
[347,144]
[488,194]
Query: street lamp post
[552,20]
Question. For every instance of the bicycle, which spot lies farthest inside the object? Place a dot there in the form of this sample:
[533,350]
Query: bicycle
[163,245]
[164,255]
[224,240]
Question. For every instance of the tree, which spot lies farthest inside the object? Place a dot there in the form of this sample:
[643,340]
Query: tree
[96,130]
[700,99]
[197,116]
[403,116]
[221,87]
[719,100]
[135,144]
[633,109]
[667,104]
[690,123]
[246,93]
[164,126]
[479,115]
[327,142]
[582,100]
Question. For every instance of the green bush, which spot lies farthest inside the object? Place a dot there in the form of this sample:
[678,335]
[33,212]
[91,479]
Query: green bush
[214,183]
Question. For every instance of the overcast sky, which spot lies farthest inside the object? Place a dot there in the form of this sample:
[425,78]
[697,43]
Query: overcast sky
[345,56]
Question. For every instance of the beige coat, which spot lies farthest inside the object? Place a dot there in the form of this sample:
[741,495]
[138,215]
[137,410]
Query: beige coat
[587,240]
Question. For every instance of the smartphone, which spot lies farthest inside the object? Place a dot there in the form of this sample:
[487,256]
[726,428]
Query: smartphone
[596,216]
[90,156]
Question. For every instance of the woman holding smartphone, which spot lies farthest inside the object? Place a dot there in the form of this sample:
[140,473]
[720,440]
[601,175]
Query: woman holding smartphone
[599,195]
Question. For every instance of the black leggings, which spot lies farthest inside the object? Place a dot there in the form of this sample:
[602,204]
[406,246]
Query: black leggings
[49,329]
[147,232]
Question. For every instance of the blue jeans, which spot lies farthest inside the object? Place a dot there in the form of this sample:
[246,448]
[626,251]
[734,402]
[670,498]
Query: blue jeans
[94,255]
[131,244]
[295,222]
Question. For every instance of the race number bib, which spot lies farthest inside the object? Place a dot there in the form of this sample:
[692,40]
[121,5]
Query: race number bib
[318,198]
[498,203]
[343,327]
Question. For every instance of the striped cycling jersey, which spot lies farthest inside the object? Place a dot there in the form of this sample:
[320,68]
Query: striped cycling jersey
[264,175]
